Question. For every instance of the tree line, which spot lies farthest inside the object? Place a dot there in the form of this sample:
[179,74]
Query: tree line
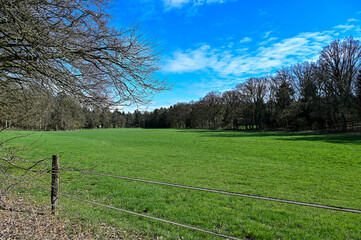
[321,95]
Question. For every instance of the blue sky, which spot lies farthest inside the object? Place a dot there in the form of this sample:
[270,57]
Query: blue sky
[212,45]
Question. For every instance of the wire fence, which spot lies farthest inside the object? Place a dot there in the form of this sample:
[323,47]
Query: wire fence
[307,204]
[316,205]
[131,212]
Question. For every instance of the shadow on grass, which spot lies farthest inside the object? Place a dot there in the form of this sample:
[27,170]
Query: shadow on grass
[239,134]
[282,135]
[354,139]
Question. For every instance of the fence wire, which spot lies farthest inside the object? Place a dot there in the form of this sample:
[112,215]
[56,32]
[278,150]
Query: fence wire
[131,212]
[280,200]
[316,205]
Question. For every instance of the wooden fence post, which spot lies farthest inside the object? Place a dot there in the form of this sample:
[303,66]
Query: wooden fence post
[54,184]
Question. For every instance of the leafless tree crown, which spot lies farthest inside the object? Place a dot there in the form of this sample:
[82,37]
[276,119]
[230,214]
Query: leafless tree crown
[69,46]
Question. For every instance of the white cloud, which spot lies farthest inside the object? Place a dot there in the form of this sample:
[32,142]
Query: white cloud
[346,27]
[268,41]
[266,34]
[181,3]
[352,20]
[224,66]
[201,2]
[245,40]
[227,62]
[175,3]
[188,61]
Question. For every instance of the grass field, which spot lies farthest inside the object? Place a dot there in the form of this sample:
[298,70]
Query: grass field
[318,168]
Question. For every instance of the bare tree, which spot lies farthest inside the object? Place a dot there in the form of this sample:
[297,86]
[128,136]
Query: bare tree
[306,84]
[253,93]
[231,105]
[69,46]
[212,106]
[339,64]
[358,93]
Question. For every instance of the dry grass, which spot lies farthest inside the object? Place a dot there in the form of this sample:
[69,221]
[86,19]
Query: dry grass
[22,219]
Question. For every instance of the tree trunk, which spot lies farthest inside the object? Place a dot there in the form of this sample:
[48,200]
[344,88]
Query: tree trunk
[344,126]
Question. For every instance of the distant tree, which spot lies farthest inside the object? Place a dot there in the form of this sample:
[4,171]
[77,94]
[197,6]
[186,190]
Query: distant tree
[212,109]
[95,115]
[252,93]
[309,98]
[231,109]
[105,118]
[305,80]
[282,95]
[178,115]
[358,94]
[129,119]
[163,121]
[138,119]
[66,114]
[339,64]
[118,119]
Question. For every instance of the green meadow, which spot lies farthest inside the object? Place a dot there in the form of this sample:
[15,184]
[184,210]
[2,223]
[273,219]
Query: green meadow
[308,167]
